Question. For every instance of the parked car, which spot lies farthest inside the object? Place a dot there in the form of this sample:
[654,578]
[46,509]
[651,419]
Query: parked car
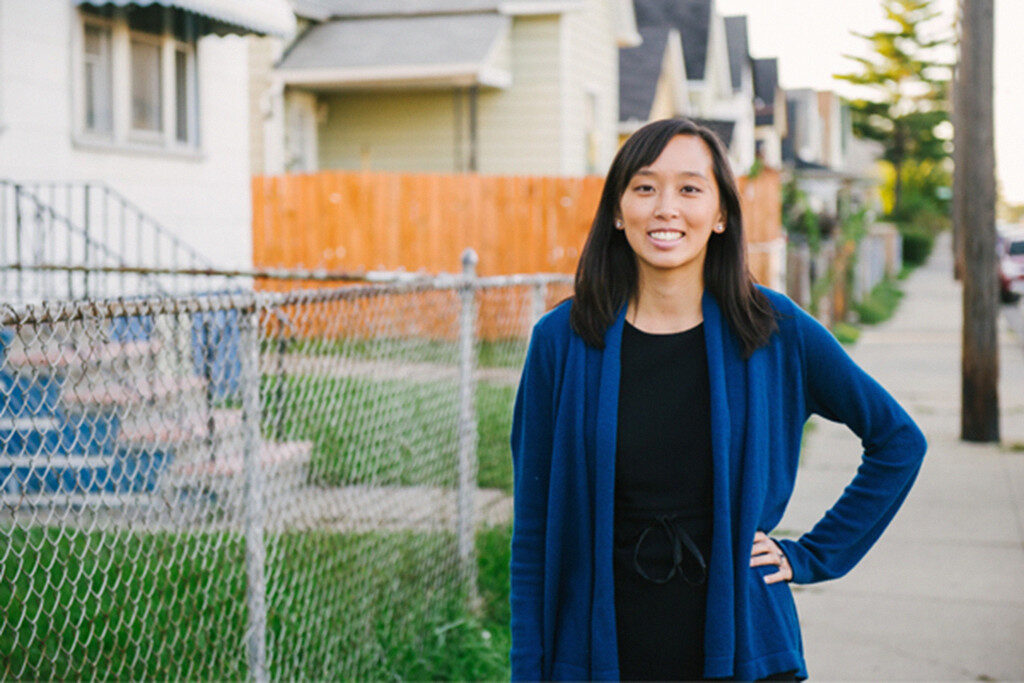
[1010,246]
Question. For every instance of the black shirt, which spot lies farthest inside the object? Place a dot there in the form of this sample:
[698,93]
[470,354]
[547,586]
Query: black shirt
[663,499]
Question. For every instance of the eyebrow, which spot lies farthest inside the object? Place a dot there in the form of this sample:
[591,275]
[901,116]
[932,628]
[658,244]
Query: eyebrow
[649,172]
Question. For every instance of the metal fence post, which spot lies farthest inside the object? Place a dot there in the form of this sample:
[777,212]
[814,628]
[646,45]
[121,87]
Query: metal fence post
[85,245]
[467,423]
[255,498]
[538,302]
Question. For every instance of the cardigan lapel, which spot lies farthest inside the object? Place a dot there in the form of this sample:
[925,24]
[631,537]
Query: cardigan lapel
[719,634]
[603,621]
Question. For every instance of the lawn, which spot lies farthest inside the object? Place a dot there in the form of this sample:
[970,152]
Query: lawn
[381,606]
[388,431]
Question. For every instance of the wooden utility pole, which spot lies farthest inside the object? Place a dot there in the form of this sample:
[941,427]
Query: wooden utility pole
[976,204]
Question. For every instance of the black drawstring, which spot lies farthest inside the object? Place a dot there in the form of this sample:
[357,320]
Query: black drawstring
[665,522]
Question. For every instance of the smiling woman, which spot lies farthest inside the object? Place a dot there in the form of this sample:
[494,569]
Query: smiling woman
[668,212]
[656,437]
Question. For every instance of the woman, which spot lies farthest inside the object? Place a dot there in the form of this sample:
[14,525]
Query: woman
[656,439]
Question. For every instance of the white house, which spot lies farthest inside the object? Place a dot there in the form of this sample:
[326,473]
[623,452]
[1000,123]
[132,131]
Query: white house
[492,86]
[829,164]
[148,98]
[692,62]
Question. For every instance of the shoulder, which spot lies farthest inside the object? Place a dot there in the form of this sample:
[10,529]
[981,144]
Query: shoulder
[554,324]
[782,304]
[795,324]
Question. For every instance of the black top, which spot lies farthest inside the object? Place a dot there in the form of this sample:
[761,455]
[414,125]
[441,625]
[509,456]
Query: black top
[663,498]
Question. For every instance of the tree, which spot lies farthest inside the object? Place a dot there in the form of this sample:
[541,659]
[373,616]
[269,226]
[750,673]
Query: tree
[911,91]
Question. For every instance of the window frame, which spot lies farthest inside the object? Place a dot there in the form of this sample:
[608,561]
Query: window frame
[148,135]
[191,90]
[106,25]
[123,135]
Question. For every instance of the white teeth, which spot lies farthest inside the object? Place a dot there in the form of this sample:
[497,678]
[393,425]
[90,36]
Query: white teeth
[666,234]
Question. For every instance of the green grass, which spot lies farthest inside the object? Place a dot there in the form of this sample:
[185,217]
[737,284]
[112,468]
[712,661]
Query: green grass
[381,606]
[880,304]
[497,353]
[392,431]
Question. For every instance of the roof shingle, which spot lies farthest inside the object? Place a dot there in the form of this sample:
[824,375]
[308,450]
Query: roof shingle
[692,18]
[639,70]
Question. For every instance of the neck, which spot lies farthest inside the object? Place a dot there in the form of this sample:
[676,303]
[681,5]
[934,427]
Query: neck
[667,301]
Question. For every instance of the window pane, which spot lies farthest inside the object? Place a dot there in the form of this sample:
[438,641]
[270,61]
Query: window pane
[146,101]
[96,80]
[181,95]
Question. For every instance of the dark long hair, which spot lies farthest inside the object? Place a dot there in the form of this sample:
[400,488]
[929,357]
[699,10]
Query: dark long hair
[606,276]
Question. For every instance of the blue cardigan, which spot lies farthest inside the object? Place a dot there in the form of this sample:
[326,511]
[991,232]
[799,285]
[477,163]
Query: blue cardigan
[563,450]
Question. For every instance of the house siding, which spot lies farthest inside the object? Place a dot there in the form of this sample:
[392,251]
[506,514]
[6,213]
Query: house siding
[202,197]
[591,67]
[520,128]
[389,131]
[263,52]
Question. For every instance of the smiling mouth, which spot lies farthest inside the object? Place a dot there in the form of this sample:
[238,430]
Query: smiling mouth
[666,235]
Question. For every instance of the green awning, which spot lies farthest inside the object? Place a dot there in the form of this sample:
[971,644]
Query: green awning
[262,17]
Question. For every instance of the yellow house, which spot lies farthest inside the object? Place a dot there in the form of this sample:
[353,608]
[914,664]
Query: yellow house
[492,86]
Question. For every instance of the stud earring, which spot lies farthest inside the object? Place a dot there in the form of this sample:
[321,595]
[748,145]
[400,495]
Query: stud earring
[618,223]
[719,228]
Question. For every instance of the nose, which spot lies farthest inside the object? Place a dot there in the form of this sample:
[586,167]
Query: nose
[666,207]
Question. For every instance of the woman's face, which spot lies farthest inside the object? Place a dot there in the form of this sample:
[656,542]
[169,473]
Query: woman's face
[670,208]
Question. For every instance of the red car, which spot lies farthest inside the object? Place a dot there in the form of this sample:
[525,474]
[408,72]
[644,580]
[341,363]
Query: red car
[1011,265]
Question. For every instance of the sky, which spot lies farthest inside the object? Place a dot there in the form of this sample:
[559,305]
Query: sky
[810,36]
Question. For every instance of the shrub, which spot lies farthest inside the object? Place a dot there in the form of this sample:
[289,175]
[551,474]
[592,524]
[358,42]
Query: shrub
[917,244]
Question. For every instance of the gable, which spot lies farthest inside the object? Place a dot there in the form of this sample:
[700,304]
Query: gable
[692,18]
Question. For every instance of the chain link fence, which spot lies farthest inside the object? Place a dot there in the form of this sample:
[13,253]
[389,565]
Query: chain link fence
[252,485]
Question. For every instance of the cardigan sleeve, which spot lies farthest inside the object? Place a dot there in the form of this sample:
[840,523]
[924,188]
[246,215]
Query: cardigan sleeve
[837,389]
[532,438]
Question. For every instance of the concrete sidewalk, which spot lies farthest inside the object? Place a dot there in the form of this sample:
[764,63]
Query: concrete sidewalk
[941,596]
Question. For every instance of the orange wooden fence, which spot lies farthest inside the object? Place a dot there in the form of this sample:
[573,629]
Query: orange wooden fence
[516,224]
[423,222]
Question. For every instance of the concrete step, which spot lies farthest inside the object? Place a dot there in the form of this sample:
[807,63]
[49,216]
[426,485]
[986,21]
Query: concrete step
[230,463]
[50,358]
[105,394]
[220,425]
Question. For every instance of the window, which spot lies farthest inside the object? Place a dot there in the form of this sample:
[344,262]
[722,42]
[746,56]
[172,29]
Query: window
[147,106]
[182,110]
[138,77]
[96,77]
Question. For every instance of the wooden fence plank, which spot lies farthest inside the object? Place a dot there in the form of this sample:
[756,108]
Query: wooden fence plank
[422,222]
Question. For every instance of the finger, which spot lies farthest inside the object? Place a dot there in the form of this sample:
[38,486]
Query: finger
[764,560]
[762,547]
[784,574]
[760,536]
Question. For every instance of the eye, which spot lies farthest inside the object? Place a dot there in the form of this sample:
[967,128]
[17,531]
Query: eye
[643,187]
[690,189]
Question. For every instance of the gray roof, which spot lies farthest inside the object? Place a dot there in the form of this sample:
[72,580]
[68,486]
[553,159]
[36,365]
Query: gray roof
[739,54]
[335,9]
[723,129]
[639,70]
[692,18]
[766,82]
[399,41]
